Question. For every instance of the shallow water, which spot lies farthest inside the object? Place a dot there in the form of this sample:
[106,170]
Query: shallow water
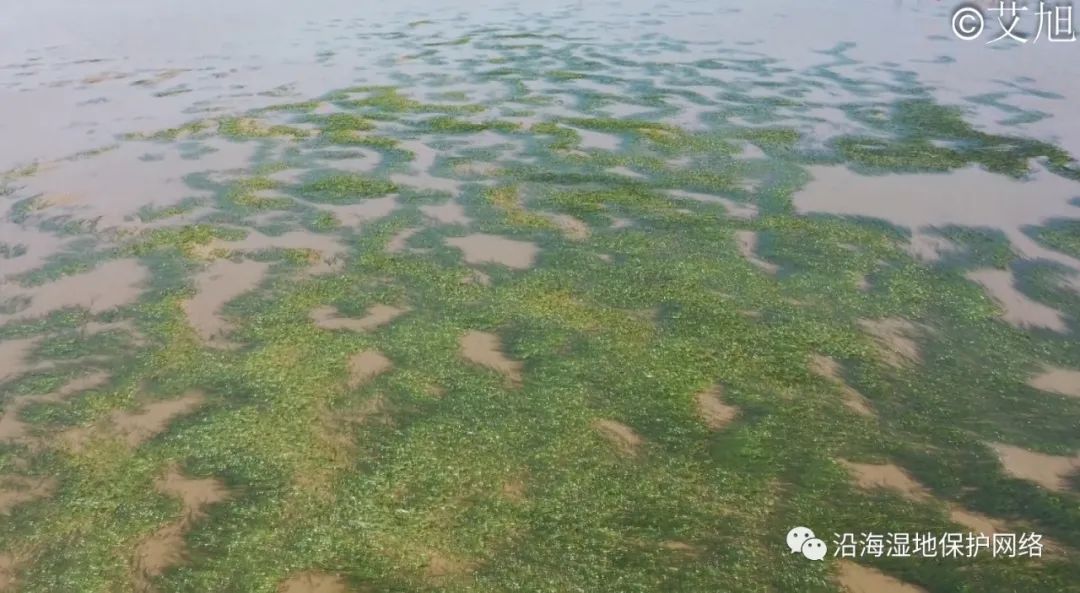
[582,296]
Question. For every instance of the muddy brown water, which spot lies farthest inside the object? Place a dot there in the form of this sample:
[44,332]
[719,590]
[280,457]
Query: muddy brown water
[13,429]
[448,213]
[969,197]
[895,339]
[828,368]
[485,349]
[378,315]
[1058,380]
[15,355]
[712,408]
[484,248]
[167,546]
[747,242]
[365,366]
[313,582]
[136,427]
[1050,471]
[109,285]
[221,282]
[857,578]
[17,490]
[886,476]
[624,439]
[1018,309]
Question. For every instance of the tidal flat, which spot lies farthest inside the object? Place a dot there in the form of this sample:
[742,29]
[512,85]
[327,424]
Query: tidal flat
[600,298]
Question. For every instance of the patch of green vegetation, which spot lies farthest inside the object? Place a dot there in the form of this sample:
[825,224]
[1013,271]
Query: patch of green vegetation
[85,154]
[21,210]
[450,125]
[459,41]
[507,199]
[564,75]
[978,247]
[345,187]
[180,90]
[772,140]
[1062,235]
[933,137]
[324,222]
[11,250]
[245,194]
[271,167]
[453,96]
[243,128]
[587,202]
[589,462]
[518,36]
[497,72]
[150,213]
[24,171]
[349,137]
[603,124]
[564,138]
[185,239]
[911,156]
[193,128]
[300,107]
[80,257]
[336,122]
[390,100]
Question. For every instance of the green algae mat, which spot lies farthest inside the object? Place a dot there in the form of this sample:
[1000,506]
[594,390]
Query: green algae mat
[516,326]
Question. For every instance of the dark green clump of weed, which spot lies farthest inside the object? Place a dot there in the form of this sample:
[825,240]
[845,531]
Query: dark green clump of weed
[245,194]
[459,41]
[901,156]
[508,200]
[324,222]
[445,124]
[11,250]
[771,140]
[564,75]
[194,128]
[80,257]
[351,138]
[150,213]
[243,128]
[1063,235]
[345,187]
[301,107]
[602,124]
[933,137]
[390,100]
[185,239]
[564,138]
[977,247]
[335,122]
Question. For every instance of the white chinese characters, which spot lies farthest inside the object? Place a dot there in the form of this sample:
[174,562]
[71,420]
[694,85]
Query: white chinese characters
[1053,22]
[929,545]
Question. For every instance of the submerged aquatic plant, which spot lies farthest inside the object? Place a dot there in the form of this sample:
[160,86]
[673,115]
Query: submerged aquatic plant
[534,368]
